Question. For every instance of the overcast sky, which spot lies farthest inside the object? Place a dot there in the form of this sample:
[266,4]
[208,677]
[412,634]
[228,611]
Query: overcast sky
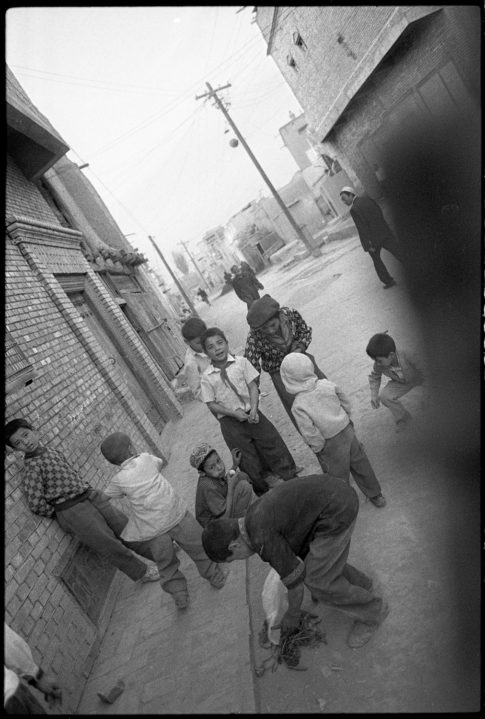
[119,85]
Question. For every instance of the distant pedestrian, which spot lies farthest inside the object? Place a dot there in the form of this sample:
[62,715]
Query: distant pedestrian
[229,387]
[219,493]
[246,285]
[276,331]
[403,369]
[374,232]
[302,528]
[203,296]
[322,412]
[20,670]
[53,487]
[159,516]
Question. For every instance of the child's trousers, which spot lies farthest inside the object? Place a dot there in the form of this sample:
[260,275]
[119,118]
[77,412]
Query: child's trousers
[343,455]
[188,535]
[98,525]
[263,450]
[389,396]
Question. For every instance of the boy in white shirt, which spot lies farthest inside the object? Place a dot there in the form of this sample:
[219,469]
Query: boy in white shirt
[322,412]
[195,360]
[158,516]
[229,388]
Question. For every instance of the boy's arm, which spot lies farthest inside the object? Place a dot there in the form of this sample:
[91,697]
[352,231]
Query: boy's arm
[112,491]
[312,436]
[254,401]
[192,376]
[344,400]
[239,414]
[374,384]
[33,488]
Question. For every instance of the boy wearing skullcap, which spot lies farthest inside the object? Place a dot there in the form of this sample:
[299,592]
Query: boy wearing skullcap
[219,493]
[158,516]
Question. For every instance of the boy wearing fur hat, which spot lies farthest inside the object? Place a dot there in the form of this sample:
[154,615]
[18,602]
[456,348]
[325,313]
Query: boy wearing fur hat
[219,493]
[158,517]
[322,412]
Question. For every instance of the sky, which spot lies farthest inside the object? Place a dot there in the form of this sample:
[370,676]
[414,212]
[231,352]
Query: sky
[119,84]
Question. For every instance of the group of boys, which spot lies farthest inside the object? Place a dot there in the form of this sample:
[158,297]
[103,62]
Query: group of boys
[302,528]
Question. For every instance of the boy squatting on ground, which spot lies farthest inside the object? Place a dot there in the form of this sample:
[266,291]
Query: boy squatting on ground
[158,516]
[403,371]
[322,412]
[229,388]
[219,493]
[52,486]
[302,528]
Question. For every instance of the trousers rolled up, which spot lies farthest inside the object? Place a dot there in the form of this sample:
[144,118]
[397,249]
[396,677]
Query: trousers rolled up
[262,448]
[333,581]
[343,455]
[98,525]
[160,549]
[286,398]
[390,395]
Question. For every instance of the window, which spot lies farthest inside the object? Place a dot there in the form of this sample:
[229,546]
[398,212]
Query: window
[18,370]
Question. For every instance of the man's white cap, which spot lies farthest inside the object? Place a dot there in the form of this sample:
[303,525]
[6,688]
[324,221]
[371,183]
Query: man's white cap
[347,189]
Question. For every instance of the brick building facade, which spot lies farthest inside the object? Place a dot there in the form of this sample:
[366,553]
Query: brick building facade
[359,72]
[78,369]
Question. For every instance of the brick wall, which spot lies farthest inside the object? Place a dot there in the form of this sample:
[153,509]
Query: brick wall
[22,197]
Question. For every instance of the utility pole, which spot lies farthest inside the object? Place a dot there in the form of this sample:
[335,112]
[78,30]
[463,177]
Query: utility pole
[316,252]
[195,265]
[181,289]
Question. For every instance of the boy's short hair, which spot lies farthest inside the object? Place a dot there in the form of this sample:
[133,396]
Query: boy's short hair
[12,426]
[217,536]
[380,345]
[114,447]
[212,332]
[193,328]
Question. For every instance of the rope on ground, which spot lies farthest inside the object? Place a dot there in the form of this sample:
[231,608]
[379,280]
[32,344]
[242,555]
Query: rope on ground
[288,650]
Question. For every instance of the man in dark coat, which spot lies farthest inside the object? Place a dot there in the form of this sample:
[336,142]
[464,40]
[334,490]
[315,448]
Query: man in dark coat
[374,232]
[246,286]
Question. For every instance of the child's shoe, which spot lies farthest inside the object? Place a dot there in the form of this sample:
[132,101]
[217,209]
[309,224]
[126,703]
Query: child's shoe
[151,575]
[378,500]
[181,599]
[219,578]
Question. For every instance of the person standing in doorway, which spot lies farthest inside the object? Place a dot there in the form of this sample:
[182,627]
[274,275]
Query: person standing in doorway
[374,232]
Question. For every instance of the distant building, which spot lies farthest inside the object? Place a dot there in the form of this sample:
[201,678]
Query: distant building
[215,255]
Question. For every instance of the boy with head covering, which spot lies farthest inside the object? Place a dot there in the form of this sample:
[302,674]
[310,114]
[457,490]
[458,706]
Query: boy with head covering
[54,488]
[276,331]
[219,493]
[322,412]
[158,516]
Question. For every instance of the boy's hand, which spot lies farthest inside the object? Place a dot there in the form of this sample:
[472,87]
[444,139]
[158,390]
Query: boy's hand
[295,347]
[236,457]
[375,402]
[241,415]
[253,416]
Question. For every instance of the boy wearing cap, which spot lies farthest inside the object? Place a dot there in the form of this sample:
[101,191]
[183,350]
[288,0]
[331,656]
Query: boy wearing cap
[158,516]
[54,488]
[374,232]
[219,493]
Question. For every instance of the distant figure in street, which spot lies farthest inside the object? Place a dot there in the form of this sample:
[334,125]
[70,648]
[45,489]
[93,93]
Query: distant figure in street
[402,368]
[203,296]
[302,528]
[52,487]
[246,285]
[374,232]
[229,387]
[322,412]
[246,269]
[219,493]
[276,331]
[158,516]
[20,670]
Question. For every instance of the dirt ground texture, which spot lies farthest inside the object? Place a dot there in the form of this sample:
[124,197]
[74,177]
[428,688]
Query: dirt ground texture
[421,549]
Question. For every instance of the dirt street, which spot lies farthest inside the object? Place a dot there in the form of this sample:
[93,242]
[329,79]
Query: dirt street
[417,661]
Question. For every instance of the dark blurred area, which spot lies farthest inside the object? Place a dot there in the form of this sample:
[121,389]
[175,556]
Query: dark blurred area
[433,184]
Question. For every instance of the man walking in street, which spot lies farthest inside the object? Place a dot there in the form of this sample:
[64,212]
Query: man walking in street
[302,528]
[374,232]
[246,286]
